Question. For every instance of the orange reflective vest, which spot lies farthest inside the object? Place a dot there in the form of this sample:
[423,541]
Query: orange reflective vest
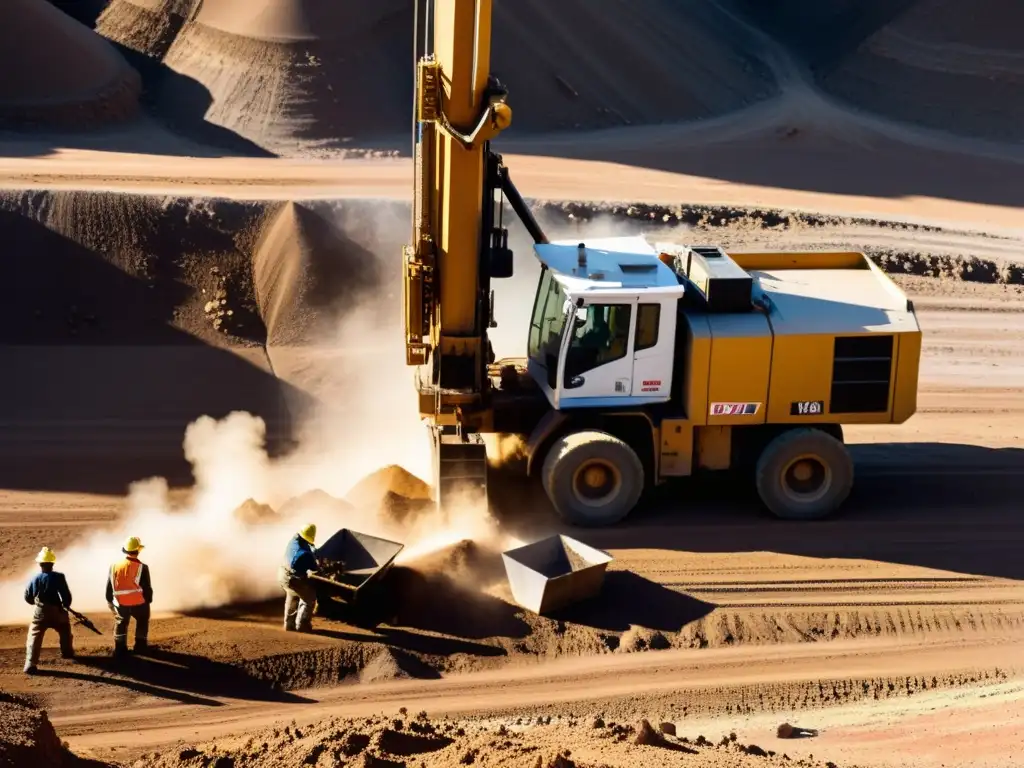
[124,579]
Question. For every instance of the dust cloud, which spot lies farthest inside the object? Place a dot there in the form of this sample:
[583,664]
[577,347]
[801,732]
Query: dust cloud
[201,554]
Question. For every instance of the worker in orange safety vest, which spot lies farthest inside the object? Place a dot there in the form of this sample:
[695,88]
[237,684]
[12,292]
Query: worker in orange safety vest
[129,594]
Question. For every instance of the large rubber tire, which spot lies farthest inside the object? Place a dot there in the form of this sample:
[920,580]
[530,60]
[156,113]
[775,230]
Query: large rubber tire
[804,474]
[573,460]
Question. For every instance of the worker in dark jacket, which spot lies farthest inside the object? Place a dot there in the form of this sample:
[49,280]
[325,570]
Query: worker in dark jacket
[48,592]
[293,576]
[129,595]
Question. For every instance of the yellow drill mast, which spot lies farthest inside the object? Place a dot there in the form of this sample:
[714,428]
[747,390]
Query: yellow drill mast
[458,243]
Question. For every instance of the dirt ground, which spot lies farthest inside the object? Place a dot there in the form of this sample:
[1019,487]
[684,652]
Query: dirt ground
[225,237]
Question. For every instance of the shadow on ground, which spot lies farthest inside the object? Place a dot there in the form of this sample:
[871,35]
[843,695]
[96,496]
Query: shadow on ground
[432,602]
[821,34]
[129,685]
[181,103]
[84,11]
[161,670]
[339,621]
[935,505]
[413,642]
[628,599]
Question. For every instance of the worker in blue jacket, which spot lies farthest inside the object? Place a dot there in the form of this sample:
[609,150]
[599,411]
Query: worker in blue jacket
[49,593]
[293,576]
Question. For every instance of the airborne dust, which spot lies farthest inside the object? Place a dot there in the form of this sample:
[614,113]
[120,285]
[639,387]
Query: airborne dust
[203,554]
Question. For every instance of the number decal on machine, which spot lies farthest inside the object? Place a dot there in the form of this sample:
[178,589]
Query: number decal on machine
[734,409]
[807,408]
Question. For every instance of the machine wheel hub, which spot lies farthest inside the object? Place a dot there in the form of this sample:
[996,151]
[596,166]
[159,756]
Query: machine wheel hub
[595,482]
[806,478]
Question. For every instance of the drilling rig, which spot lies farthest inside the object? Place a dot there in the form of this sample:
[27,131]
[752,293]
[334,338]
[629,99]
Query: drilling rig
[645,362]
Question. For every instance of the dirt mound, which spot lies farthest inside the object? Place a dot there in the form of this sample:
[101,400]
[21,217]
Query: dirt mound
[940,53]
[377,742]
[253,513]
[104,268]
[315,503]
[146,27]
[393,664]
[27,737]
[67,77]
[436,601]
[304,267]
[465,561]
[399,495]
[279,74]
[401,741]
[641,639]
[390,479]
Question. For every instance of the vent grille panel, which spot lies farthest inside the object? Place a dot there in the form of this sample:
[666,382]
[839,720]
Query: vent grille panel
[861,374]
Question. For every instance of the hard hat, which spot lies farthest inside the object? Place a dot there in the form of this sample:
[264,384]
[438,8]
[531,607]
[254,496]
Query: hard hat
[46,555]
[132,544]
[308,532]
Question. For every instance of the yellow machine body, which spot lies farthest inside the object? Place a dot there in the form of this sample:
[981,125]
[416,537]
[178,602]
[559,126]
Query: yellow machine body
[847,333]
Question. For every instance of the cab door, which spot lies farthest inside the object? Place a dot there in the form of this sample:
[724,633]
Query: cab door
[597,354]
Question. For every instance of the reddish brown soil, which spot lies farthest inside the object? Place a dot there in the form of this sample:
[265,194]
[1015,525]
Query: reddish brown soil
[27,736]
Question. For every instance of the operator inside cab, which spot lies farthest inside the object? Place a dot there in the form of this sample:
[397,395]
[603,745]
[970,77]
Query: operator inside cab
[597,336]
[601,336]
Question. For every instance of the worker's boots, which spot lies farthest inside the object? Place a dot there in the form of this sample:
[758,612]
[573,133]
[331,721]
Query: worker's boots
[120,648]
[304,618]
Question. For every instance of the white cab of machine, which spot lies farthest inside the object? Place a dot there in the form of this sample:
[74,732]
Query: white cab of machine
[603,328]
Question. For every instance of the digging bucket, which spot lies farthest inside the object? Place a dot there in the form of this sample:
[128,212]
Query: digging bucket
[554,572]
[367,560]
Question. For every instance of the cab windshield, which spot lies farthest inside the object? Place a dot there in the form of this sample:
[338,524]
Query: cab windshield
[547,324]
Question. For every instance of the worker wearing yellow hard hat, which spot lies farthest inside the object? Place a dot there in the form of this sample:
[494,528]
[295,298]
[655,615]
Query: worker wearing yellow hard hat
[129,594]
[48,591]
[293,576]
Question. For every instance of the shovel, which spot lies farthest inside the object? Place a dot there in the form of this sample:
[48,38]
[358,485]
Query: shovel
[84,620]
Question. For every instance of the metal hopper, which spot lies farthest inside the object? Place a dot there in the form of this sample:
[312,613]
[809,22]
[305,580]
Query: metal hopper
[554,572]
[364,560]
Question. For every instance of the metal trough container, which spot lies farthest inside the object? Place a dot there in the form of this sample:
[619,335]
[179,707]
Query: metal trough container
[367,559]
[554,572]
